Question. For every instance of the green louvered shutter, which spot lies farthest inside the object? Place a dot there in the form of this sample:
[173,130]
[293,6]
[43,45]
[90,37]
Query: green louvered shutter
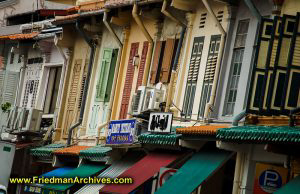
[104,74]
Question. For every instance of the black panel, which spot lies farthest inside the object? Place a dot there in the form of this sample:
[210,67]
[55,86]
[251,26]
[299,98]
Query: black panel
[258,90]
[294,90]
[279,89]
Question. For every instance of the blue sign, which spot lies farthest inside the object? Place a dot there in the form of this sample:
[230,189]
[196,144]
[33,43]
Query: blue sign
[121,132]
[270,181]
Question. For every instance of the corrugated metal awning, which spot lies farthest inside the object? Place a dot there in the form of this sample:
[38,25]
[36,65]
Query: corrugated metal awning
[142,171]
[85,170]
[195,171]
[113,171]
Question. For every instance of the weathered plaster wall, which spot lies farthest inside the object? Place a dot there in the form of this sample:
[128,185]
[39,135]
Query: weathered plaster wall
[136,35]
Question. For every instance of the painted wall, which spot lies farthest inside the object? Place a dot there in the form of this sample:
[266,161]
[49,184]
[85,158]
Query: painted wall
[72,91]
[290,7]
[209,30]
[97,111]
[265,8]
[136,35]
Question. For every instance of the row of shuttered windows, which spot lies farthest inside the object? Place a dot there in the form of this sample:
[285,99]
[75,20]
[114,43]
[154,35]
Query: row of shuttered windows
[275,88]
[194,66]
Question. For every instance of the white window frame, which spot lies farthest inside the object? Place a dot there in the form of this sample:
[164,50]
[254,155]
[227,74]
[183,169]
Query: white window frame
[42,91]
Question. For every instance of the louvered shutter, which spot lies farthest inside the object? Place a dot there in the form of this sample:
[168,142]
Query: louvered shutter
[10,87]
[167,61]
[2,76]
[156,58]
[142,65]
[128,81]
[209,72]
[72,95]
[1,62]
[104,74]
[192,77]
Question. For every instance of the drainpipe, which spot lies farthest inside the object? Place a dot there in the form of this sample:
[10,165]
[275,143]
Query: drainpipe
[190,17]
[237,172]
[62,80]
[91,44]
[174,66]
[253,9]
[218,65]
[116,73]
[292,117]
[150,40]
[255,13]
[238,117]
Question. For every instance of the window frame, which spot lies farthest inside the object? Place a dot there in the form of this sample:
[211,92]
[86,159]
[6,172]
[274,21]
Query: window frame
[236,63]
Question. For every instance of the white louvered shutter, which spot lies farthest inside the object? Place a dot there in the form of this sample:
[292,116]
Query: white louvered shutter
[10,87]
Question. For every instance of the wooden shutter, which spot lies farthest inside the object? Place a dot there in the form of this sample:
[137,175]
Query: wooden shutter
[128,81]
[73,89]
[2,76]
[155,64]
[10,87]
[104,73]
[1,62]
[142,65]
[167,60]
[192,77]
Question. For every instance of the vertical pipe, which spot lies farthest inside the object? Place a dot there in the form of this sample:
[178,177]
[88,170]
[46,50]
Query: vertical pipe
[150,40]
[174,65]
[218,65]
[91,44]
[190,18]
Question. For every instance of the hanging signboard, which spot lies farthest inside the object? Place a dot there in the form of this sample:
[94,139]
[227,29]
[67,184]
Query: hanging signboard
[160,122]
[269,178]
[121,132]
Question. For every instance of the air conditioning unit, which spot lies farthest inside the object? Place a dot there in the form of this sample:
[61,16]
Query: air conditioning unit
[30,119]
[13,121]
[138,99]
[153,98]
[146,98]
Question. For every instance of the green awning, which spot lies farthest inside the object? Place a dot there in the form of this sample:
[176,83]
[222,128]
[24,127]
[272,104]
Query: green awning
[46,151]
[85,170]
[291,187]
[260,134]
[195,171]
[161,139]
[95,152]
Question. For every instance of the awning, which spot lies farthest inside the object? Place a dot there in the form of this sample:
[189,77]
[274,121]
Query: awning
[159,139]
[260,134]
[195,171]
[141,172]
[59,172]
[203,130]
[113,171]
[291,187]
[85,170]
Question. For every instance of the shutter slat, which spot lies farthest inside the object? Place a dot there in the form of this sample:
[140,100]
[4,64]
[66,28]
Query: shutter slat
[156,57]
[128,81]
[167,60]
[142,65]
